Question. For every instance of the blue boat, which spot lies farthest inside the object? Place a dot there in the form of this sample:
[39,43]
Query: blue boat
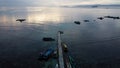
[46,55]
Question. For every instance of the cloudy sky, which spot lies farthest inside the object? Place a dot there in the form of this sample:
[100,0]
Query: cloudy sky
[54,2]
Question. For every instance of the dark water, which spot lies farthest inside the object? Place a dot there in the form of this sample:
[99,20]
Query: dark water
[94,44]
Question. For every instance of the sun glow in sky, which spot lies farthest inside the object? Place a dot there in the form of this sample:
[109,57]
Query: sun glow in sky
[27,3]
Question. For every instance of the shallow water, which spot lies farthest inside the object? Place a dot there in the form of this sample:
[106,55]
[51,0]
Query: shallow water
[94,44]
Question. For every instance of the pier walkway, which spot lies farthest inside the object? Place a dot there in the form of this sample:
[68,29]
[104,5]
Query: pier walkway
[60,52]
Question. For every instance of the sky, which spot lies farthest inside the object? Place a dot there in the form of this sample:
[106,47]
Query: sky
[7,3]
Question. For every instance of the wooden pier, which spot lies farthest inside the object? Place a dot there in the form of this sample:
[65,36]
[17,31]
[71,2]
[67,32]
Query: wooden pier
[60,52]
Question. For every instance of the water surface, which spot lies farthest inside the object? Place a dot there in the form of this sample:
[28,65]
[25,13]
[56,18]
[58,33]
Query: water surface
[94,44]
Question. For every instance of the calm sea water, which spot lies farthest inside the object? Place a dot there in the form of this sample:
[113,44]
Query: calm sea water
[94,44]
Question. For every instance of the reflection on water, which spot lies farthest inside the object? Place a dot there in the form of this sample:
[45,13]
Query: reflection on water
[49,16]
[92,44]
[32,15]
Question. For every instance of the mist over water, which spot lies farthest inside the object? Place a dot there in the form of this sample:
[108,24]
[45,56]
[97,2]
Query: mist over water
[92,44]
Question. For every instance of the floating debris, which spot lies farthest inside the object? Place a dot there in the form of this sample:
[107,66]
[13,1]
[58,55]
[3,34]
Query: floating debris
[112,17]
[77,22]
[86,21]
[101,18]
[48,39]
[21,20]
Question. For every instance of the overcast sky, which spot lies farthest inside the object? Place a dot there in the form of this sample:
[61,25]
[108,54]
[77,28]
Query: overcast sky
[54,2]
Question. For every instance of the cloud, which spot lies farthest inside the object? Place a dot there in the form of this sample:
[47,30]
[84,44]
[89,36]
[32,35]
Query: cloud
[54,2]
[26,2]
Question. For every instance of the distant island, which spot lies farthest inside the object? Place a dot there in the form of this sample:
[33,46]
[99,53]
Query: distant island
[93,6]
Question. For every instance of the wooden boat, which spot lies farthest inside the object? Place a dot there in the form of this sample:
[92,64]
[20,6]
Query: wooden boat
[21,20]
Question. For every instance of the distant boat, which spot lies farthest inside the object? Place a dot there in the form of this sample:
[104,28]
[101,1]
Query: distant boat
[21,20]
[65,48]
[48,39]
[112,17]
[86,20]
[77,22]
[101,18]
